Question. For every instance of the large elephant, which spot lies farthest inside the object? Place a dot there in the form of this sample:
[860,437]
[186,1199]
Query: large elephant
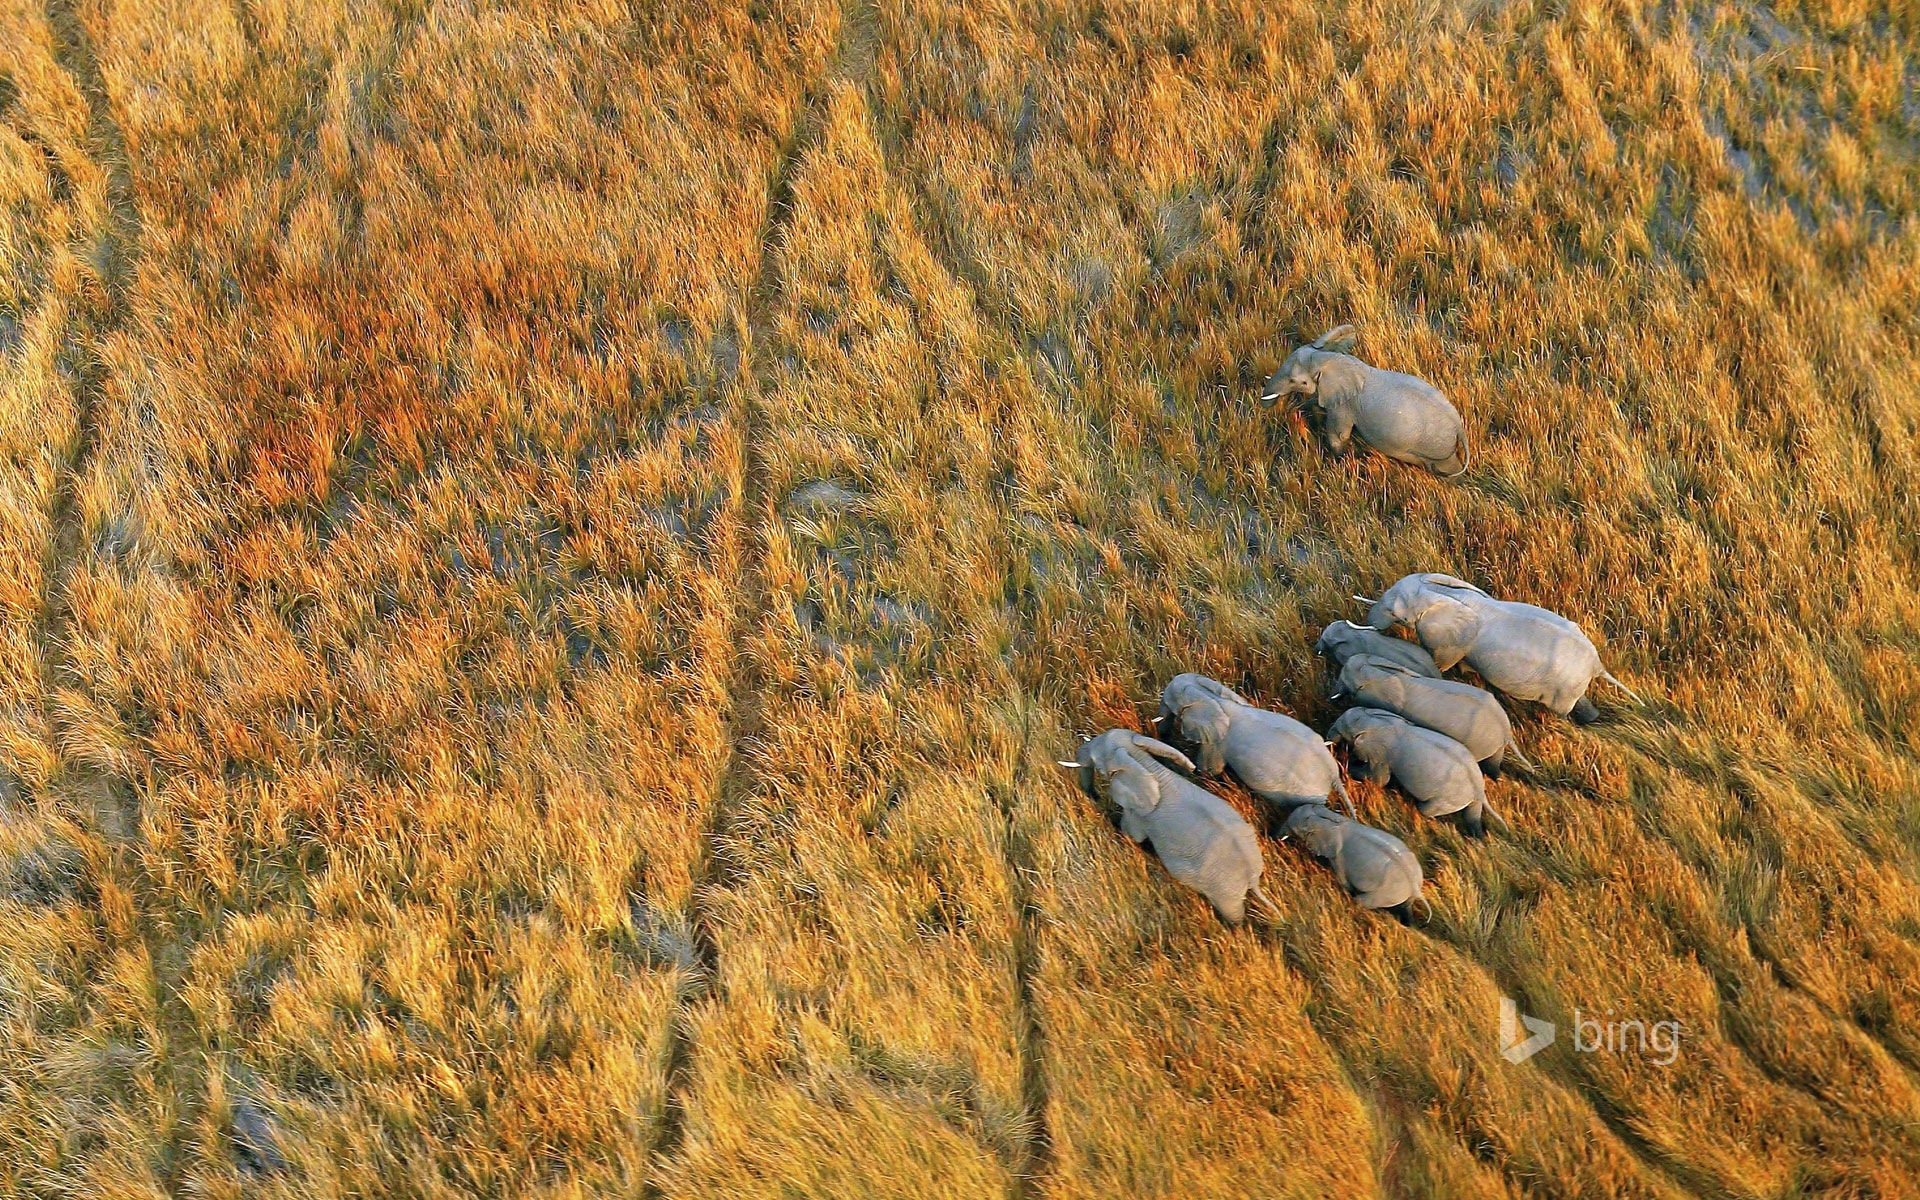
[1469,715]
[1204,843]
[1341,640]
[1525,651]
[1374,866]
[1276,757]
[1437,772]
[1401,416]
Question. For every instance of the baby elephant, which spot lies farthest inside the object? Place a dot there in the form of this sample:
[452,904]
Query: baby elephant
[1204,843]
[1374,866]
[1438,772]
[1402,417]
[1526,652]
[1469,715]
[1342,640]
[1279,759]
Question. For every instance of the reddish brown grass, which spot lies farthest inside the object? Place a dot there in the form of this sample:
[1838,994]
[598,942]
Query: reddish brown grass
[549,553]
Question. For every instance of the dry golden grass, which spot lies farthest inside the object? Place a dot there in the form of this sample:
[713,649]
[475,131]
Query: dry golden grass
[549,552]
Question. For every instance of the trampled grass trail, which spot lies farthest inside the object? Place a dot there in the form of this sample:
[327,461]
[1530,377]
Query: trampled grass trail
[550,553]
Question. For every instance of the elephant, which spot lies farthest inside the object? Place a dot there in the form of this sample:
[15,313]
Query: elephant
[1342,640]
[1527,652]
[1204,843]
[1374,866]
[1469,715]
[1438,772]
[1279,759]
[1401,416]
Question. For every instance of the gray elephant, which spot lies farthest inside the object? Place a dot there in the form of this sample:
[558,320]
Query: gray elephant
[1374,866]
[1527,652]
[1342,640]
[1204,843]
[1403,417]
[1276,757]
[1469,715]
[1436,771]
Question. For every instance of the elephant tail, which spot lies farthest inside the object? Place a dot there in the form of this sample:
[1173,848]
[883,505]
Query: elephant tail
[1346,801]
[1608,676]
[1495,814]
[1513,748]
[1428,903]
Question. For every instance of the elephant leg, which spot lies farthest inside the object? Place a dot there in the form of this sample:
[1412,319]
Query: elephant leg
[1584,712]
[1339,428]
[1473,819]
[1491,765]
[1379,773]
[1232,909]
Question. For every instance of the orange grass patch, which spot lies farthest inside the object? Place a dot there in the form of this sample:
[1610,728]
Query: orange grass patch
[551,552]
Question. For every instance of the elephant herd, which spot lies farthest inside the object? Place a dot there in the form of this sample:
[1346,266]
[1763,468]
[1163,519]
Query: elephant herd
[1439,740]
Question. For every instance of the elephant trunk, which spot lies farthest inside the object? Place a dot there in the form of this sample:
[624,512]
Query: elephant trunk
[1161,772]
[1381,617]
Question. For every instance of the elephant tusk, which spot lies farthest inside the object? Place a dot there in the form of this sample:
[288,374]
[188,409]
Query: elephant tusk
[1058,763]
[1366,600]
[1608,676]
[1269,396]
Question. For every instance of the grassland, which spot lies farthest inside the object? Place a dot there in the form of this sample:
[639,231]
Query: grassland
[549,552]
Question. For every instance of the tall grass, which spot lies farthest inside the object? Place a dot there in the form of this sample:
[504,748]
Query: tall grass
[551,552]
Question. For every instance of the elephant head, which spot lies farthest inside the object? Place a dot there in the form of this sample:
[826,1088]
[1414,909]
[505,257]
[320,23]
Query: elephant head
[1321,830]
[1432,607]
[1300,374]
[1363,669]
[1120,766]
[1354,725]
[1199,709]
[1356,721]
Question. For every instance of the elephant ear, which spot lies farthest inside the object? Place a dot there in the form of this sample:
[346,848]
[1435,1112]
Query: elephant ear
[1134,789]
[1346,726]
[1339,339]
[1199,728]
[1320,834]
[1447,629]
